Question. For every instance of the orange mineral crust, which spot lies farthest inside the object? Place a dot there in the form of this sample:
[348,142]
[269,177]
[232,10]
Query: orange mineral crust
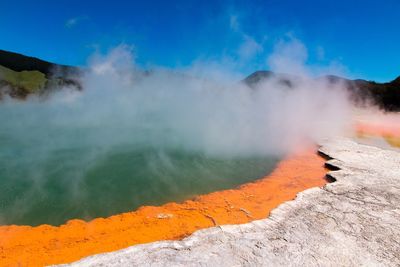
[44,245]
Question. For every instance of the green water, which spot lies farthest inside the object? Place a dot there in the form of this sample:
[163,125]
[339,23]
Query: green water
[52,186]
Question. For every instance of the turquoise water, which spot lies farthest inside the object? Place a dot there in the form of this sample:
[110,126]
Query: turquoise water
[39,185]
[86,160]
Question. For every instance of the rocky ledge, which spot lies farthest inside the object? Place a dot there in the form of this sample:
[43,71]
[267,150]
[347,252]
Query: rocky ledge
[353,221]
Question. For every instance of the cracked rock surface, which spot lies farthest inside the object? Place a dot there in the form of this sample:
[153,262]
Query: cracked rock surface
[351,222]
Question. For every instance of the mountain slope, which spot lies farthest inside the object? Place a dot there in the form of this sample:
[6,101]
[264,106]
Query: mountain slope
[22,75]
[18,62]
[384,95]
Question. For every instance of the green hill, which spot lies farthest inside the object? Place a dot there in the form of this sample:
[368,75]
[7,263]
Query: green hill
[22,75]
[30,80]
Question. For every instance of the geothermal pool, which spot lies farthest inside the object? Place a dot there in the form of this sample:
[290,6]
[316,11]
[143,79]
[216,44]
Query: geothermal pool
[50,186]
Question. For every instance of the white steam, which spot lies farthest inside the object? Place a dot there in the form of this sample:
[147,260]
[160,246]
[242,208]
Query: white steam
[56,143]
[290,55]
[122,105]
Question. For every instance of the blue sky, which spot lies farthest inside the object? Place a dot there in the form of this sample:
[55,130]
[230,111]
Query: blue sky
[362,38]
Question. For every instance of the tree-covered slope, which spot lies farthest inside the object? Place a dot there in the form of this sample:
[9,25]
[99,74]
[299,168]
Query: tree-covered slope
[22,75]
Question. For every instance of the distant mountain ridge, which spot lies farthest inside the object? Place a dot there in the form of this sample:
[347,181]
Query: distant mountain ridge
[384,95]
[22,75]
[19,62]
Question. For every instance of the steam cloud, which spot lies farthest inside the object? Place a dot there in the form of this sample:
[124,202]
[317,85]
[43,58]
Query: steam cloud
[122,106]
